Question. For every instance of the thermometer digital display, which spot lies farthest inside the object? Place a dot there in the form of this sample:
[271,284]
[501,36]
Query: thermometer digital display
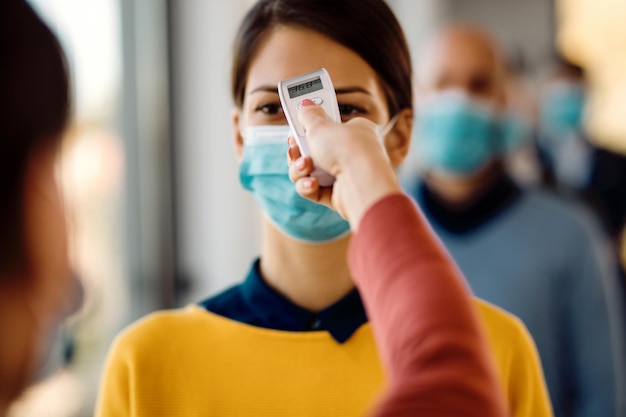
[305,88]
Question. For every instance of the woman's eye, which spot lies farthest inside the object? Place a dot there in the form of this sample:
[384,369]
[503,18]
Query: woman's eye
[348,110]
[270,108]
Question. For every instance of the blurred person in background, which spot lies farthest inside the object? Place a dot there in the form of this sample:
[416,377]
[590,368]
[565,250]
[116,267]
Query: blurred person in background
[527,251]
[37,287]
[522,159]
[294,337]
[566,152]
[573,164]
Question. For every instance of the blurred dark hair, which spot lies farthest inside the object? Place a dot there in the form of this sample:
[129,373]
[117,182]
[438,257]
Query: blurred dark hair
[34,110]
[367,27]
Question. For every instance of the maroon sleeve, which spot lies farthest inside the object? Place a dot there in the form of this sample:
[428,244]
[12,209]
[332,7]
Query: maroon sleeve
[431,344]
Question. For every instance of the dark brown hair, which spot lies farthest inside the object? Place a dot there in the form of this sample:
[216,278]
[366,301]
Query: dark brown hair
[367,27]
[34,109]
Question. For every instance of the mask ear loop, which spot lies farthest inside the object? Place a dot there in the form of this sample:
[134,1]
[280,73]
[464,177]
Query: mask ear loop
[389,126]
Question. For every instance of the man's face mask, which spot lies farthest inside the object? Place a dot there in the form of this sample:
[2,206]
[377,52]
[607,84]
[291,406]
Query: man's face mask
[264,172]
[562,111]
[562,114]
[459,135]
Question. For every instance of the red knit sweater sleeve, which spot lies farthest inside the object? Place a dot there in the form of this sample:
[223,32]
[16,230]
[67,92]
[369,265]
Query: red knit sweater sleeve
[431,344]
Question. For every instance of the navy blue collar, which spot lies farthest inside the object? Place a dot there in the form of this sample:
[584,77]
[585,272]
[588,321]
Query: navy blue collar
[461,220]
[254,302]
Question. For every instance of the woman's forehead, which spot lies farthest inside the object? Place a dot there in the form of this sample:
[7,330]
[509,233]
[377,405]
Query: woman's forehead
[289,51]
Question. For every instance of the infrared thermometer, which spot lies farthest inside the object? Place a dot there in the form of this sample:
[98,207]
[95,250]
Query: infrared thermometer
[317,87]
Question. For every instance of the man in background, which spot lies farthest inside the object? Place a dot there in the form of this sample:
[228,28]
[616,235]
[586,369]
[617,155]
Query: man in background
[535,255]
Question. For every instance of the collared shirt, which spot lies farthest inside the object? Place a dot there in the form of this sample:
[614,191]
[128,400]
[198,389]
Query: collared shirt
[492,202]
[254,302]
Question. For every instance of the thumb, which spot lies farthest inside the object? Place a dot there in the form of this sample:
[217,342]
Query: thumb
[312,116]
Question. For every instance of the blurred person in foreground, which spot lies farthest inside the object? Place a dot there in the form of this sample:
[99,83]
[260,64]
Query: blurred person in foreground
[37,288]
[296,337]
[529,252]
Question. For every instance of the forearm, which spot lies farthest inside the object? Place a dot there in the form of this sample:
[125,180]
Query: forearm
[428,333]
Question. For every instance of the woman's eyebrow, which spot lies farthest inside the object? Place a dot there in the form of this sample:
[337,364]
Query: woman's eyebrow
[349,90]
[343,90]
[265,89]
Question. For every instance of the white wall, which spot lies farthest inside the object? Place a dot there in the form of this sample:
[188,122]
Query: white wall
[419,19]
[218,230]
[527,24]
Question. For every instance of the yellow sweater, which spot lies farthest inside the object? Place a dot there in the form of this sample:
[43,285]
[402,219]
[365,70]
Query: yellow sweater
[191,362]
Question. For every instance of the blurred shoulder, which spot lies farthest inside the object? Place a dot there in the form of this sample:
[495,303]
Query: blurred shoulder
[560,212]
[557,205]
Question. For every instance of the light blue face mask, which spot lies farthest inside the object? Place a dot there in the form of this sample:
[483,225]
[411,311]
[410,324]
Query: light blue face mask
[59,339]
[562,111]
[456,134]
[264,172]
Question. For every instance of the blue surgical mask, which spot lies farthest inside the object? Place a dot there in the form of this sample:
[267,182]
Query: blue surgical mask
[57,354]
[562,111]
[457,134]
[264,172]
[58,348]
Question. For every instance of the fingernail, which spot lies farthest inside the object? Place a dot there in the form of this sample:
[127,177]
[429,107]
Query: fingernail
[306,102]
[300,164]
[308,183]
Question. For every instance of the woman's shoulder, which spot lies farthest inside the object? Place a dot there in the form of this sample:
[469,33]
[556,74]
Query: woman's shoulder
[167,327]
[517,361]
[508,336]
[566,211]
[500,322]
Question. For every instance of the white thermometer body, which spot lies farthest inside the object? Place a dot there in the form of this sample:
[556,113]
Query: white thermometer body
[317,87]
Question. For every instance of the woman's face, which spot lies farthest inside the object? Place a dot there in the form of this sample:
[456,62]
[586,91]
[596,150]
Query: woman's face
[289,51]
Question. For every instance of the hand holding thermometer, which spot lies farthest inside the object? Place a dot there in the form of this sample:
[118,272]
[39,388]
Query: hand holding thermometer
[317,87]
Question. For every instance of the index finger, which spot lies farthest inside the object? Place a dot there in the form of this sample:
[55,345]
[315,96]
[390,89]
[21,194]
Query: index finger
[312,116]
